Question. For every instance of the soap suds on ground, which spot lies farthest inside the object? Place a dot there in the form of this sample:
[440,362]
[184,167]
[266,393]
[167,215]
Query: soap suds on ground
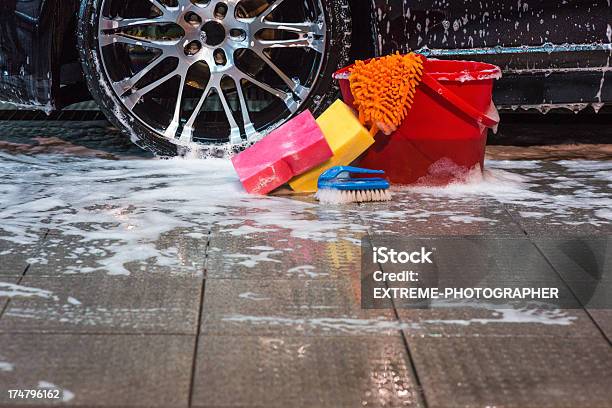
[346,325]
[116,211]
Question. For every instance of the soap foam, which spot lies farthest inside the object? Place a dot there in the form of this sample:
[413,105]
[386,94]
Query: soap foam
[116,211]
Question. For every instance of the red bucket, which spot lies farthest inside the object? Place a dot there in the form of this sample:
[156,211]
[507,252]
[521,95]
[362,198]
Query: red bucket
[444,134]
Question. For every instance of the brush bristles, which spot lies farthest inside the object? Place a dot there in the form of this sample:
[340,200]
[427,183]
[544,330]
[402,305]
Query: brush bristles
[331,196]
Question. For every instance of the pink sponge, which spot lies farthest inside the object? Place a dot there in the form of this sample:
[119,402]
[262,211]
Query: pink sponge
[292,149]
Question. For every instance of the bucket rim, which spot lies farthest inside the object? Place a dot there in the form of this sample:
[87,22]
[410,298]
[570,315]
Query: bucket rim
[485,71]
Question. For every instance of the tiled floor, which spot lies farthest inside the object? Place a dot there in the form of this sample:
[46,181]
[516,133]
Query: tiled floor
[244,302]
[296,371]
[115,370]
[288,330]
[513,371]
[112,305]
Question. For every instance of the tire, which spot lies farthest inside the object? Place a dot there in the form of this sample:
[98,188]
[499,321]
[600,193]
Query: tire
[322,89]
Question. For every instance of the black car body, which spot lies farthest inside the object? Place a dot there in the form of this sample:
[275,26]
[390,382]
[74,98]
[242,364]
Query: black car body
[553,53]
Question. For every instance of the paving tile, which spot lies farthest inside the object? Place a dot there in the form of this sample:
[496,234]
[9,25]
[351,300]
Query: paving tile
[603,318]
[493,320]
[410,215]
[485,262]
[587,259]
[8,289]
[94,304]
[593,295]
[545,223]
[291,242]
[291,307]
[295,217]
[565,198]
[179,253]
[298,372]
[93,370]
[514,371]
[556,198]
[13,261]
[15,254]
[278,255]
[473,259]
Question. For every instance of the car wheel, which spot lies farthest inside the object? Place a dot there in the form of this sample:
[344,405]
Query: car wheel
[183,74]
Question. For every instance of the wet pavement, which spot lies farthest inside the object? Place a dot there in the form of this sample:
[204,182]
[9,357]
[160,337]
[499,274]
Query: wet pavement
[131,281]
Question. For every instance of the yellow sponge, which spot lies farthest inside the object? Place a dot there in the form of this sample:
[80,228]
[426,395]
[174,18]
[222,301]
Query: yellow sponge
[347,139]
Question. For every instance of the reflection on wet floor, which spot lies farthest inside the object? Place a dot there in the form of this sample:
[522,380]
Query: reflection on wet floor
[99,238]
[86,139]
[137,214]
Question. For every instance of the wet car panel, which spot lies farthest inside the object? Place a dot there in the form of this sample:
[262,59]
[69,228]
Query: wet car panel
[541,46]
[32,47]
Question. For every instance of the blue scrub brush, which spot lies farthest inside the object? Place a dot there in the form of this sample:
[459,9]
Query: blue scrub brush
[337,187]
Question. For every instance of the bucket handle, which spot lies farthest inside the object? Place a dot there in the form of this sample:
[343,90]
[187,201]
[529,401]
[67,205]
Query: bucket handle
[459,102]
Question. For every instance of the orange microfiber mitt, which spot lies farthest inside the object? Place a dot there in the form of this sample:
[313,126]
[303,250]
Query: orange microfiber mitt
[384,89]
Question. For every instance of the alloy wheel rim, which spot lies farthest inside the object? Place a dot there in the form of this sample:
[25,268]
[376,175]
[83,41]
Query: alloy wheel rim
[213,34]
